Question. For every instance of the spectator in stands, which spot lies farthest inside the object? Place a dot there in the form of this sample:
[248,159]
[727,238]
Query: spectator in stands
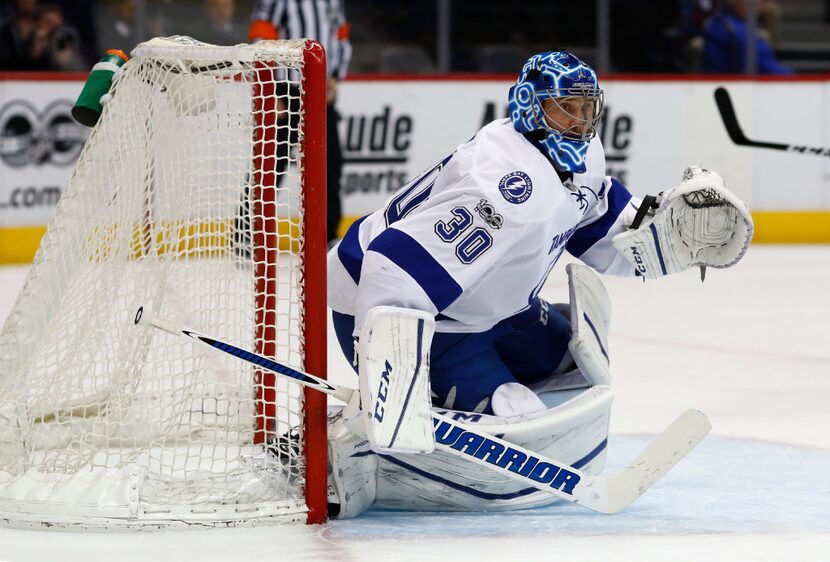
[80,15]
[117,32]
[769,18]
[724,48]
[156,22]
[117,26]
[36,38]
[220,29]
[16,32]
[694,13]
[56,41]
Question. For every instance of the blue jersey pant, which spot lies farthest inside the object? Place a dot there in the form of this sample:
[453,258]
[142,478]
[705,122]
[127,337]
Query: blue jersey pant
[465,369]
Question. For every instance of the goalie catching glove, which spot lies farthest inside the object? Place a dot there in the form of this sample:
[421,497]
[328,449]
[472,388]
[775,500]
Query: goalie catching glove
[697,223]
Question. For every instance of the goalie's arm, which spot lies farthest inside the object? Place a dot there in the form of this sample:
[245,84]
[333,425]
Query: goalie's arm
[611,215]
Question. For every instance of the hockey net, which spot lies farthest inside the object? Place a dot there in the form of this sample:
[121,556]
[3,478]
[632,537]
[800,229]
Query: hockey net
[179,202]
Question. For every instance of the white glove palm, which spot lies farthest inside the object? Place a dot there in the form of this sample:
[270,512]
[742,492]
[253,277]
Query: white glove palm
[697,223]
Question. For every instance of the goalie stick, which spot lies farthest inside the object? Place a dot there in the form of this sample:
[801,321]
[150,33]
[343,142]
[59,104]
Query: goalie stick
[604,494]
[730,121]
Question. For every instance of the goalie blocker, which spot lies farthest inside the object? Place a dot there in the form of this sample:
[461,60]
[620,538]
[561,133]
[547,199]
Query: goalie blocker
[393,353]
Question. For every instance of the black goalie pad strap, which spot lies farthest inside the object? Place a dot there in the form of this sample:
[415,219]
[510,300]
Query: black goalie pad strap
[649,202]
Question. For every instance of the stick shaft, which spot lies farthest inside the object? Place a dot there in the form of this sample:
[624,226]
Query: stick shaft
[305,379]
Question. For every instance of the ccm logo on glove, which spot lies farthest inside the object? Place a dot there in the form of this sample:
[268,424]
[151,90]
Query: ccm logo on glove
[638,260]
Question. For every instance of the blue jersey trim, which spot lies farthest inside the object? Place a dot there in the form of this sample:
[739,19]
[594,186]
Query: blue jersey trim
[350,252]
[405,252]
[487,495]
[587,236]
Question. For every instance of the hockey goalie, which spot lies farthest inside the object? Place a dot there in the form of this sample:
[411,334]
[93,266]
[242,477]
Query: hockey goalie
[435,300]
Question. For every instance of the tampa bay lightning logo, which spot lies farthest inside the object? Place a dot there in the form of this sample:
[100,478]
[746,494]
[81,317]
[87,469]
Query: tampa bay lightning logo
[516,187]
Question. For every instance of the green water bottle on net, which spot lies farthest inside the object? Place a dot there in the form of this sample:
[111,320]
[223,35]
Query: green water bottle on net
[88,108]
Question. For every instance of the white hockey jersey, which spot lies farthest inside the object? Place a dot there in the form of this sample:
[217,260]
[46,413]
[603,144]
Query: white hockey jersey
[473,239]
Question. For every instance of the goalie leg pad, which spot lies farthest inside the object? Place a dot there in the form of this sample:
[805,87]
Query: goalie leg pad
[393,353]
[590,322]
[352,470]
[575,433]
[590,319]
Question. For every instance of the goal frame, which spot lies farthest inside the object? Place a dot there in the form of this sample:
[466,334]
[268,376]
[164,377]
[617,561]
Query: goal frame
[311,297]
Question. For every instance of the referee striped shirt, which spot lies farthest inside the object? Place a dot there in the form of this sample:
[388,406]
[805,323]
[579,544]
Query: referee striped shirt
[320,20]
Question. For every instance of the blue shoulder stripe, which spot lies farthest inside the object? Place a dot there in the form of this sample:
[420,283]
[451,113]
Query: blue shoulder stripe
[350,252]
[405,252]
[587,236]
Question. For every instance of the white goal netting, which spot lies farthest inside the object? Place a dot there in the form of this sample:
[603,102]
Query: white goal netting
[188,200]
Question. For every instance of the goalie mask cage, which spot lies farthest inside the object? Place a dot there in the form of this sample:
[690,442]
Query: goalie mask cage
[177,203]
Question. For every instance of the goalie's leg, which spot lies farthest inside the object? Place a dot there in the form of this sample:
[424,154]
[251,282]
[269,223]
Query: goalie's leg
[343,329]
[467,369]
[536,347]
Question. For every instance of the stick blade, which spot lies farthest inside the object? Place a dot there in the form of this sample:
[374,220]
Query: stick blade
[668,449]
[727,114]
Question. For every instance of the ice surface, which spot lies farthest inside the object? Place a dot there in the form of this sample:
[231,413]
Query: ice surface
[750,347]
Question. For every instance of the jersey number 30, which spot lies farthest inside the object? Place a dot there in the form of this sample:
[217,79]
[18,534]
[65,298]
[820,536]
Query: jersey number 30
[471,246]
[416,192]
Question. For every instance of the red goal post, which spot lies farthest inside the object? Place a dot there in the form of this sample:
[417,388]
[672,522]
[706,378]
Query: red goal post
[314,225]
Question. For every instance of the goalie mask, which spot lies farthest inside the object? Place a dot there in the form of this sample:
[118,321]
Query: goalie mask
[576,99]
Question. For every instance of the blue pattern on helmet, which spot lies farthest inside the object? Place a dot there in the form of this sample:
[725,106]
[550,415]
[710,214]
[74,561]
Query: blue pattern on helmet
[552,74]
